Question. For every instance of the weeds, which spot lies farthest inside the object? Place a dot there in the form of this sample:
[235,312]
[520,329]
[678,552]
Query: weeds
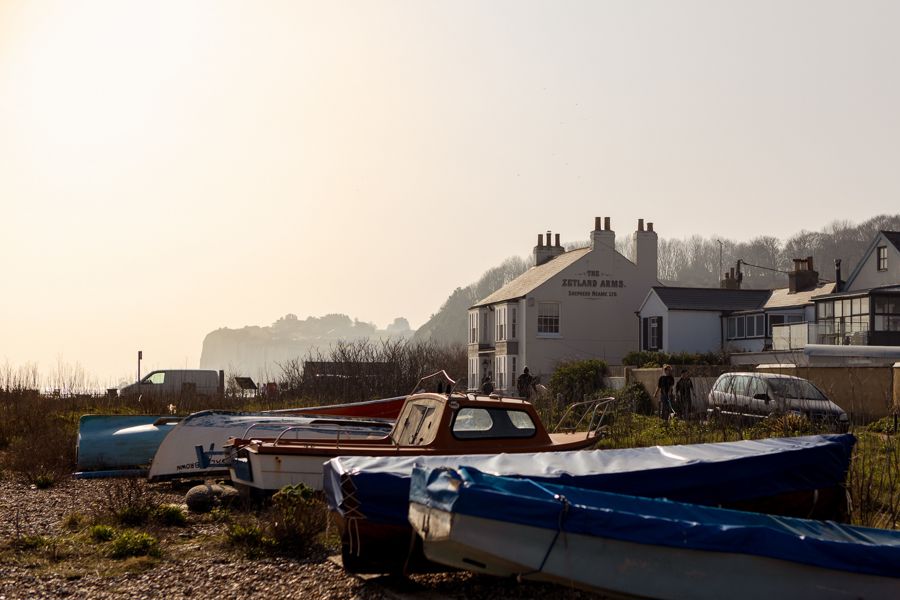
[300,517]
[133,543]
[102,533]
[170,515]
[129,502]
[30,542]
[74,521]
[874,480]
[249,535]
[293,524]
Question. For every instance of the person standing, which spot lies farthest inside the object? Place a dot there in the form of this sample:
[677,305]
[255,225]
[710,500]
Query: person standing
[487,384]
[684,395]
[524,384]
[664,392]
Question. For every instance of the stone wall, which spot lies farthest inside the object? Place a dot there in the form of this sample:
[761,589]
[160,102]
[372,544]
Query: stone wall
[866,393]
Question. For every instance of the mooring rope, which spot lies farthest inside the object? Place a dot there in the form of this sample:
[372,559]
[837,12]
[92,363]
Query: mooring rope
[564,510]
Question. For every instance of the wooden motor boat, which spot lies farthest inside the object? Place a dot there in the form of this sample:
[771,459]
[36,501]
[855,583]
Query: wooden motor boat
[428,424]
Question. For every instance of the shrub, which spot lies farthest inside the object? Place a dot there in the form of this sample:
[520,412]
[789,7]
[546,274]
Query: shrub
[575,380]
[133,543]
[74,521]
[655,359]
[42,457]
[169,515]
[249,534]
[30,542]
[635,396]
[300,517]
[785,425]
[884,425]
[291,525]
[102,533]
[129,502]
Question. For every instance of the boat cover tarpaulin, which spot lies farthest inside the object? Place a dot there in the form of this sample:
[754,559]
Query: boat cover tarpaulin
[658,521]
[377,488]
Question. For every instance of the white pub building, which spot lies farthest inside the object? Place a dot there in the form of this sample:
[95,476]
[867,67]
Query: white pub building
[571,305]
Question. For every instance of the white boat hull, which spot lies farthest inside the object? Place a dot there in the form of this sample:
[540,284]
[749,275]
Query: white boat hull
[196,445]
[269,472]
[629,569]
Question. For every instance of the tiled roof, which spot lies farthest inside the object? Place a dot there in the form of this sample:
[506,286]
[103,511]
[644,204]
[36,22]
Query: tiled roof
[533,277]
[686,298]
[781,298]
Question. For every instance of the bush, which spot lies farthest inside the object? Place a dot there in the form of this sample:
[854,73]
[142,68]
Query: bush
[884,425]
[129,502]
[291,525]
[656,359]
[169,515]
[575,380]
[635,396]
[102,533]
[133,543]
[249,534]
[784,425]
[31,542]
[44,453]
[300,517]
[74,521]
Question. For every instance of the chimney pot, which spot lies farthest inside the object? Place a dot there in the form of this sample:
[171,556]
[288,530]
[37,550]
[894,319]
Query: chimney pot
[649,226]
[598,223]
[640,224]
[809,263]
[540,239]
[606,223]
[557,240]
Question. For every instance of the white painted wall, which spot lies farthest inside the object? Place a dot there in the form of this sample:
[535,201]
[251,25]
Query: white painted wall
[869,276]
[692,331]
[595,322]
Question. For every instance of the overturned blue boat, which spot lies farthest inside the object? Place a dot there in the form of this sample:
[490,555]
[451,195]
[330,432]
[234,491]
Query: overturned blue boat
[801,476]
[646,547]
[119,445]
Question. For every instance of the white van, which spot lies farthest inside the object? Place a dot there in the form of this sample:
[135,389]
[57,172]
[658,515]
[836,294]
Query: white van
[177,381]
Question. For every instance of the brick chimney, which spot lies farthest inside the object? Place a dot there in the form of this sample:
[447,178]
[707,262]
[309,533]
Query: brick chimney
[731,281]
[602,236]
[803,278]
[645,249]
[544,252]
[838,284]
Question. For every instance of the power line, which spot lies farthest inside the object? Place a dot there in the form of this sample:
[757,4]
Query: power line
[744,262]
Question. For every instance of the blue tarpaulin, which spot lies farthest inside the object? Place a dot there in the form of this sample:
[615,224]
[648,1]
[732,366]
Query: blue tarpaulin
[377,488]
[657,521]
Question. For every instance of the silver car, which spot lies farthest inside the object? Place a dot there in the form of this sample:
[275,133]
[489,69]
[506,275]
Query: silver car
[752,396]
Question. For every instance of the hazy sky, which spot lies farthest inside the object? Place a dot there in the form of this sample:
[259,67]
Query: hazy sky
[169,168]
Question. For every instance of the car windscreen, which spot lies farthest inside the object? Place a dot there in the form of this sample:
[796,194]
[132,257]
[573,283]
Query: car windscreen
[796,388]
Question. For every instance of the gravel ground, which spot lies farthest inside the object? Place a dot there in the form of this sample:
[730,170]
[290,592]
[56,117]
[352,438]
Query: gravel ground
[195,561]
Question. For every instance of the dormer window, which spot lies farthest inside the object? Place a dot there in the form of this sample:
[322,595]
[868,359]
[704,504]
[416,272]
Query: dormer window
[881,258]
